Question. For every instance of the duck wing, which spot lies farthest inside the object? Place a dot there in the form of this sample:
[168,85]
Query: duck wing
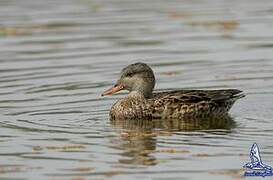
[194,102]
[195,96]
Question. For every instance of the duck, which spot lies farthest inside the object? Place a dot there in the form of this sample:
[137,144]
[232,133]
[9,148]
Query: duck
[143,103]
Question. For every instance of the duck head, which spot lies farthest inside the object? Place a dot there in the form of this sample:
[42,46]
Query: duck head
[138,78]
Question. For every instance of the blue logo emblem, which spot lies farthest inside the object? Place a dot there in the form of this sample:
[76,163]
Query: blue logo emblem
[256,167]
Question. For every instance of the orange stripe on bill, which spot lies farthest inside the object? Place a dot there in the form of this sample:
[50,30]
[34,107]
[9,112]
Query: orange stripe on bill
[116,88]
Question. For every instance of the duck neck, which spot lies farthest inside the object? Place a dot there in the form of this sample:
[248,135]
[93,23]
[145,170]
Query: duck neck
[141,92]
[144,88]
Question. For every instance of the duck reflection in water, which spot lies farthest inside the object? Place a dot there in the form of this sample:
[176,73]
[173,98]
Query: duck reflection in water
[138,138]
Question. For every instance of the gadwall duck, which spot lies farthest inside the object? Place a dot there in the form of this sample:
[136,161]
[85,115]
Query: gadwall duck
[142,103]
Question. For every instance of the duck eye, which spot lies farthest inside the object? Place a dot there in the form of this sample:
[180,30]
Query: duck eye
[130,74]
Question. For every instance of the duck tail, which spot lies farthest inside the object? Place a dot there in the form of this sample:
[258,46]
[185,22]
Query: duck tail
[238,95]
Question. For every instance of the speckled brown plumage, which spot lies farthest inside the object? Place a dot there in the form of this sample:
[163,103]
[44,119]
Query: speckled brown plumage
[142,103]
[176,104]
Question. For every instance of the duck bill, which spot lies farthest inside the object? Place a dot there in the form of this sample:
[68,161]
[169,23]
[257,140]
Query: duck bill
[116,88]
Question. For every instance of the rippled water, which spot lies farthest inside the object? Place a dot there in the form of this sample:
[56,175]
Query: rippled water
[58,56]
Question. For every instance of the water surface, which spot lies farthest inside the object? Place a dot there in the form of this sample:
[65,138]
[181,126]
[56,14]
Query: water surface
[57,57]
